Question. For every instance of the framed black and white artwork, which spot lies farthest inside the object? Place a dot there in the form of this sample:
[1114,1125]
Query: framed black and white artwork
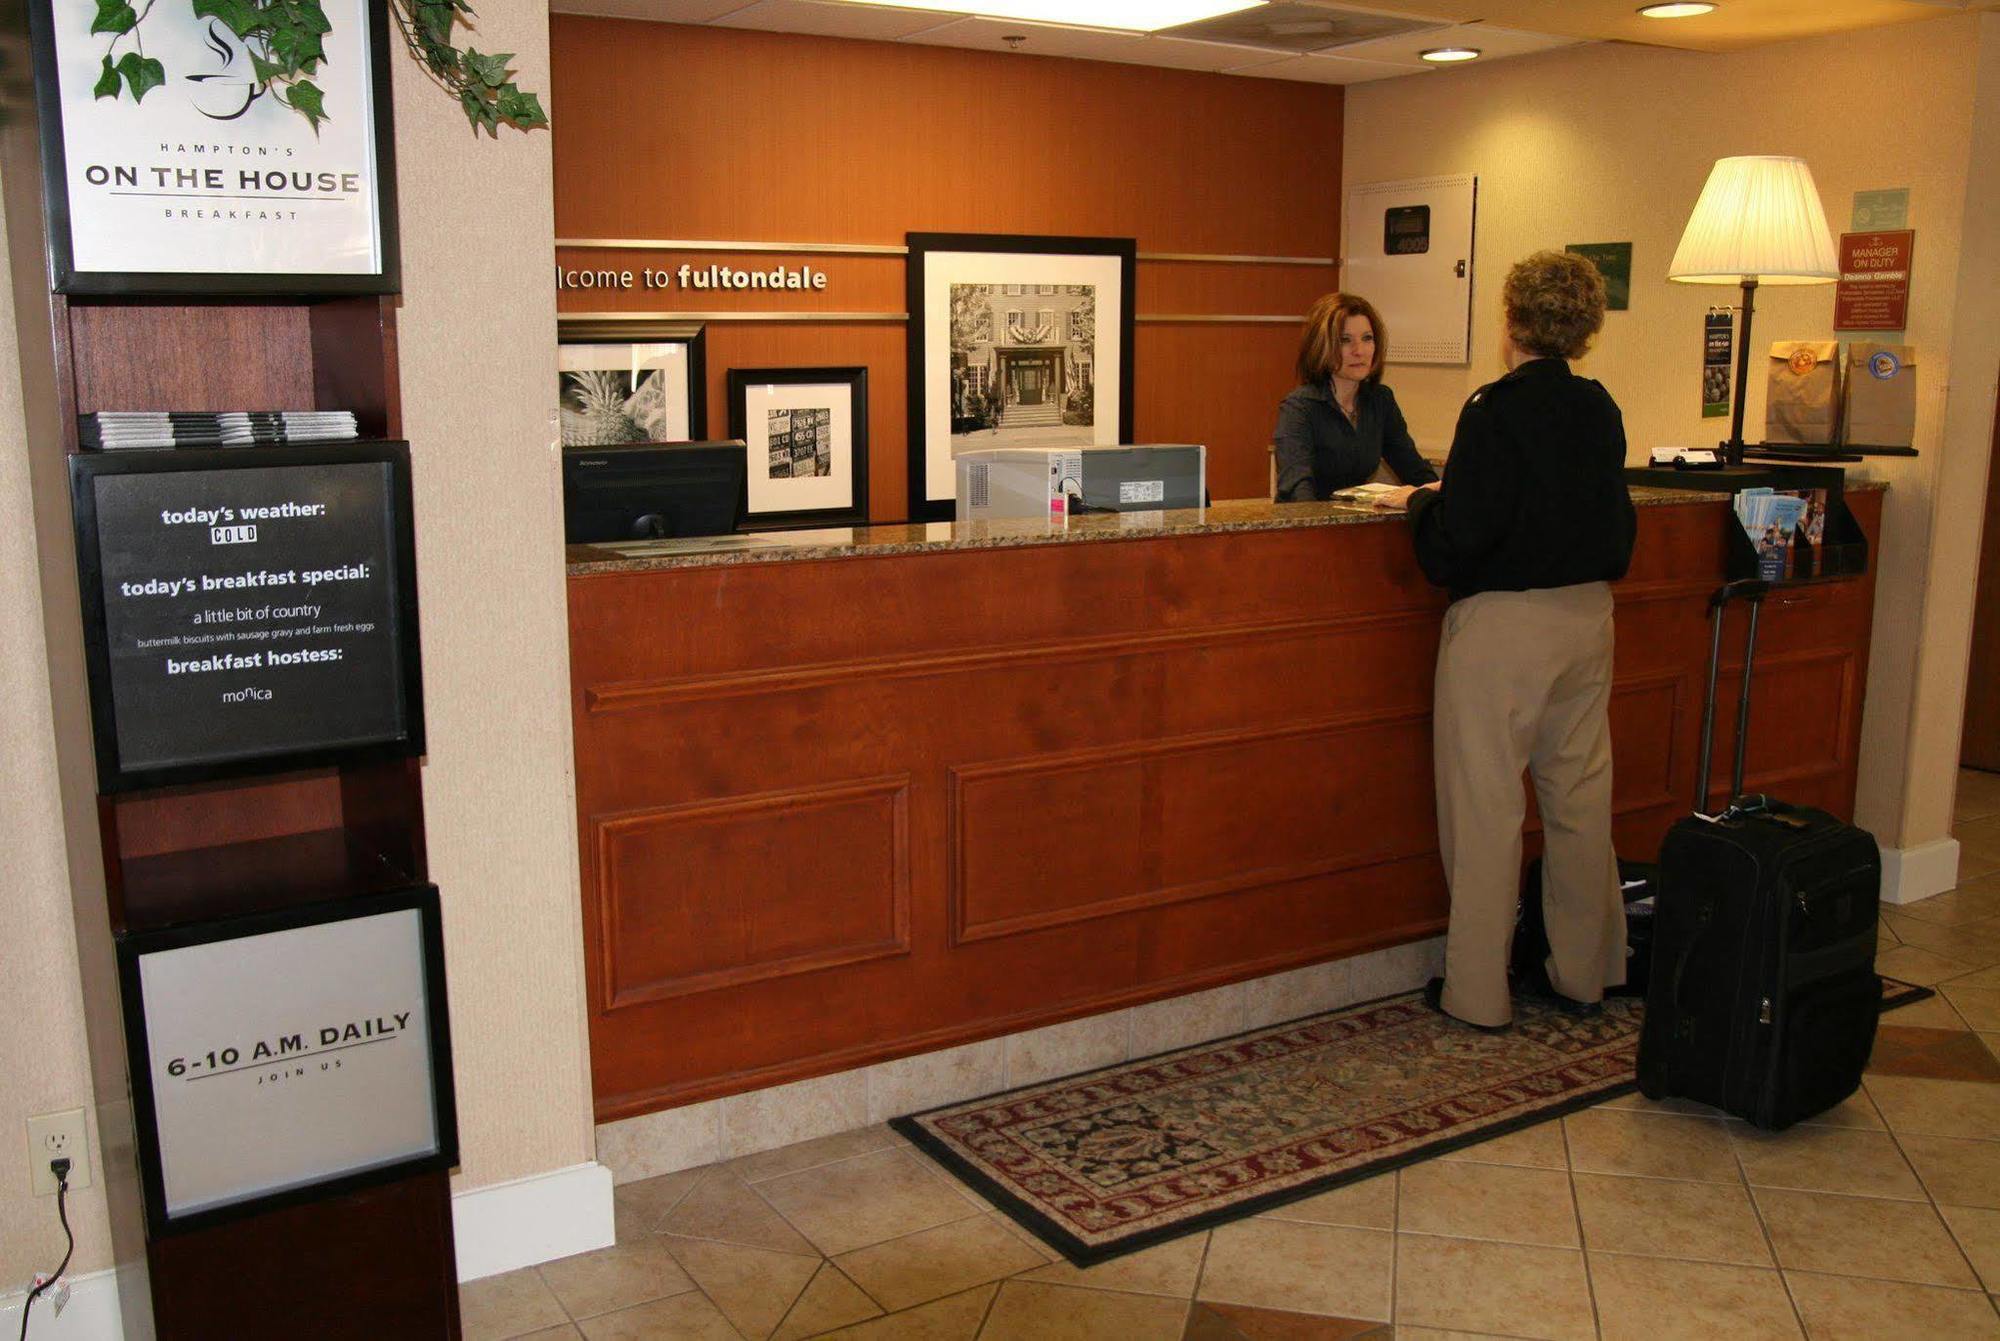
[1015,341]
[806,431]
[216,149]
[640,380]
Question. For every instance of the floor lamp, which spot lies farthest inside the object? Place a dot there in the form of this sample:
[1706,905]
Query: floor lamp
[1758,221]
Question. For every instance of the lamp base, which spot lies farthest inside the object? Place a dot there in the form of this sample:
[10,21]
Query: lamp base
[1732,450]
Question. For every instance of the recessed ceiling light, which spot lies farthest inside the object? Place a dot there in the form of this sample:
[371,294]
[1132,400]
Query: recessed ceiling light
[1680,9]
[1448,55]
[1142,16]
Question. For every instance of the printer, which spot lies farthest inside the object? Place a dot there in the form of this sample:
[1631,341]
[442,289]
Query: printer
[997,482]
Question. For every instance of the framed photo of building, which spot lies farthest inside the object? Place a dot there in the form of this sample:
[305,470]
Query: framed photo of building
[1015,341]
[637,380]
[287,1056]
[806,431]
[180,156]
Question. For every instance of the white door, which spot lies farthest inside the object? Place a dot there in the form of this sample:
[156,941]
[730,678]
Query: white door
[1408,251]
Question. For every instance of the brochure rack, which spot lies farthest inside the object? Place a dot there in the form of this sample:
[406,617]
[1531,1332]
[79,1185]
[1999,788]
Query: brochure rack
[1842,552]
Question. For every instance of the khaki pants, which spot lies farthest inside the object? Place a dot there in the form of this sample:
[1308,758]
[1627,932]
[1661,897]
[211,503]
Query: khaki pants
[1524,682]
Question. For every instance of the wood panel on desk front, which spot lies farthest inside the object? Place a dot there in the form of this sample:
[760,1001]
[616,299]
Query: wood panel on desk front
[718,134]
[837,811]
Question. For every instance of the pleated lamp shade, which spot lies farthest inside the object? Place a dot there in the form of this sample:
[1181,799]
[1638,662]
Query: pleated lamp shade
[1759,217]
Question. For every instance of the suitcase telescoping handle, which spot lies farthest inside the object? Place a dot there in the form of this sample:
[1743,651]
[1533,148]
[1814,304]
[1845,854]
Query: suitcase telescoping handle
[1753,591]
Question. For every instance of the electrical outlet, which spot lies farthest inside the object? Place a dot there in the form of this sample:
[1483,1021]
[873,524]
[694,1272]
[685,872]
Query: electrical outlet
[58,1136]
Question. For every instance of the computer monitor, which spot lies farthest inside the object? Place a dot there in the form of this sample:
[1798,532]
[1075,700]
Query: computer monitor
[652,491]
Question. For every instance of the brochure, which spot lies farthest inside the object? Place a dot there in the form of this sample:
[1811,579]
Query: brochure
[1785,528]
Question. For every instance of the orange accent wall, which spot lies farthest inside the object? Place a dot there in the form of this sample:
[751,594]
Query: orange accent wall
[668,131]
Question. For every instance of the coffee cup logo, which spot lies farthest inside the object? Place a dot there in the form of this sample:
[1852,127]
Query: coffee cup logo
[1883,365]
[1803,362]
[227,92]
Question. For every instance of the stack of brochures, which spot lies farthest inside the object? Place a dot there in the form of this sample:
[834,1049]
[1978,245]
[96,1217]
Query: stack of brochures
[1362,493]
[1786,528]
[118,430]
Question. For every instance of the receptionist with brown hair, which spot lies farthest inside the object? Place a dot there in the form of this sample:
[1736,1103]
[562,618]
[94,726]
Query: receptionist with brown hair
[1341,423]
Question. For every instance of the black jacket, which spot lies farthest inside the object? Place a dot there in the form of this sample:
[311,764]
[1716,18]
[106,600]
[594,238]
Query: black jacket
[1534,491]
[1319,451]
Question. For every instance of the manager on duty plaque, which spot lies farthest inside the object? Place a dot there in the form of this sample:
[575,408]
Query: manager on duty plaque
[216,146]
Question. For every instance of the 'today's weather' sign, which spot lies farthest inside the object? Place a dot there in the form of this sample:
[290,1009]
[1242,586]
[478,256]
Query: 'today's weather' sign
[246,611]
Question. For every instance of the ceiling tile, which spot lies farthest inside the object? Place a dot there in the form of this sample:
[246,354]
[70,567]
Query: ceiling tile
[877,22]
[1296,27]
[1734,23]
[1043,39]
[1177,53]
[659,11]
[1493,43]
[1329,70]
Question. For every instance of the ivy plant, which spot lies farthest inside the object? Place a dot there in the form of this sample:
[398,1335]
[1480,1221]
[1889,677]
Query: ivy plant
[285,39]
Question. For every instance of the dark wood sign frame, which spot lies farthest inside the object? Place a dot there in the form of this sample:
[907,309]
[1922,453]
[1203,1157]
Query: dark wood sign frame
[86,468]
[133,946]
[64,277]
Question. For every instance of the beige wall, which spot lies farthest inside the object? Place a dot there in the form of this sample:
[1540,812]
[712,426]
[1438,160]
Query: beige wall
[477,331]
[1611,143]
[478,368]
[43,1050]
[1938,710]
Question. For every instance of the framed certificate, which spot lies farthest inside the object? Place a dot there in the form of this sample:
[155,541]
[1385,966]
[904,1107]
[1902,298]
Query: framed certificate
[198,147]
[288,1056]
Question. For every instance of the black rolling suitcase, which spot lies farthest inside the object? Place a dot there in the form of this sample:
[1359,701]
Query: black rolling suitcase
[1763,996]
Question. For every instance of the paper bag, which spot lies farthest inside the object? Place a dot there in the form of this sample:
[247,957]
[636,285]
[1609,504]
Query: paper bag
[1881,396]
[1803,402]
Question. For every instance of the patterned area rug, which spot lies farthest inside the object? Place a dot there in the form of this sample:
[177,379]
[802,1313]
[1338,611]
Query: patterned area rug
[1111,1161]
[1116,1160]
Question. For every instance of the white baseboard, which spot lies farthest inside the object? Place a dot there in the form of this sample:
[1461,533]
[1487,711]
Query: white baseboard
[1912,873]
[91,1314]
[505,1226]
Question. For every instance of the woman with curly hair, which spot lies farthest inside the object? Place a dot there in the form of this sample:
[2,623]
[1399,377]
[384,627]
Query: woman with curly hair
[1341,423]
[1530,525]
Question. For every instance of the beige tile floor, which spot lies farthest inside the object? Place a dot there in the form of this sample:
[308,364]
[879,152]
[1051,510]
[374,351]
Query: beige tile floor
[1656,1221]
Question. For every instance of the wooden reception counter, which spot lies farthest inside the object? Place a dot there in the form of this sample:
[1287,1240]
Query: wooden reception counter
[847,796]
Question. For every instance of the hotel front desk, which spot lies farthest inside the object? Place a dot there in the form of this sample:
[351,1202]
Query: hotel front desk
[845,796]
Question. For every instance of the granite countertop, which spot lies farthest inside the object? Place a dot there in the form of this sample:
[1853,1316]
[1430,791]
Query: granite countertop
[1251,514]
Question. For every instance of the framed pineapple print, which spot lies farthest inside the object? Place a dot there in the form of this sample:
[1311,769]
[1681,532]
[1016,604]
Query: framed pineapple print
[637,380]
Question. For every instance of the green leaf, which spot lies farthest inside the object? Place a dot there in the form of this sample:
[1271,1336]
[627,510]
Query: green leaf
[476,110]
[522,109]
[295,47]
[434,19]
[306,99]
[265,70]
[114,16]
[312,18]
[142,74]
[488,70]
[107,83]
[241,17]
